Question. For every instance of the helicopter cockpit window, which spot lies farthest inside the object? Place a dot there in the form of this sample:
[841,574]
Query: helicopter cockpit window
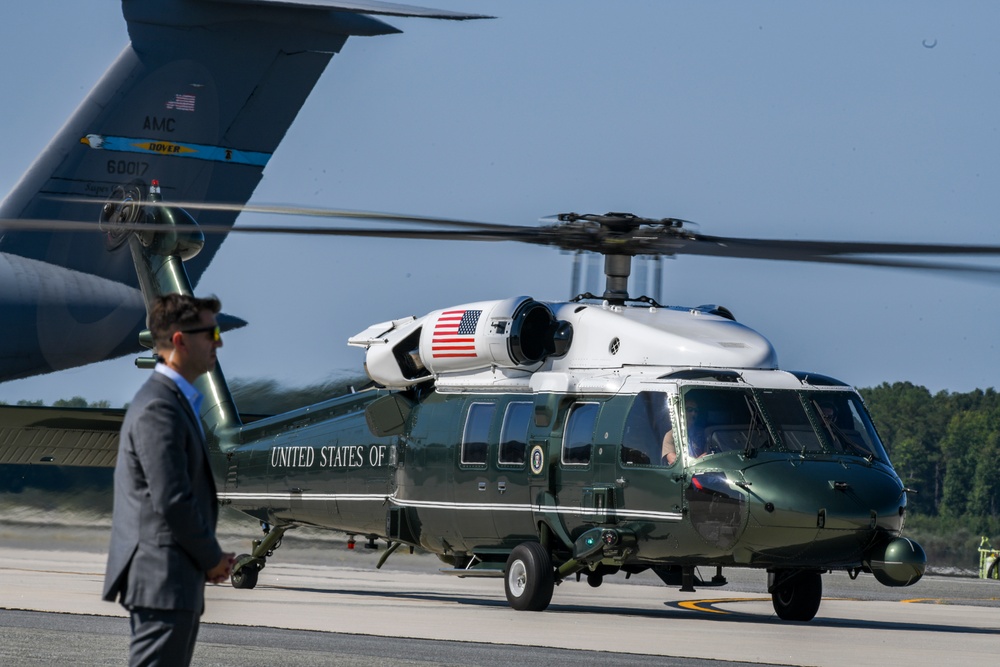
[514,433]
[845,424]
[475,439]
[723,420]
[644,440]
[809,423]
[578,439]
[789,419]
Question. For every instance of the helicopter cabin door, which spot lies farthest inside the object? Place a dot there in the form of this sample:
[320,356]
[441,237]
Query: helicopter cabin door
[511,517]
[471,475]
[570,472]
[649,476]
[491,494]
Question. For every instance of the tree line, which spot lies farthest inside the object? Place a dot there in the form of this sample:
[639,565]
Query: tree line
[946,446]
[75,402]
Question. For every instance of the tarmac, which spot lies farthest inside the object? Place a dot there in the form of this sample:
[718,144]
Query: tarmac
[315,601]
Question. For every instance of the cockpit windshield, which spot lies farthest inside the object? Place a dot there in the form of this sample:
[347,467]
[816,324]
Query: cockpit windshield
[845,424]
[716,420]
[719,420]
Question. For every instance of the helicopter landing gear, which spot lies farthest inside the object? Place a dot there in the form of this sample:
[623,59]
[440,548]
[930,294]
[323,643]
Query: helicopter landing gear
[248,566]
[795,594]
[245,575]
[529,579]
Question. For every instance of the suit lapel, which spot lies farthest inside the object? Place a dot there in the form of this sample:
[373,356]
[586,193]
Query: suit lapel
[194,424]
[194,419]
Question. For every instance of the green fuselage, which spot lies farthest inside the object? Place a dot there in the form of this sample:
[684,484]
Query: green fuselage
[475,474]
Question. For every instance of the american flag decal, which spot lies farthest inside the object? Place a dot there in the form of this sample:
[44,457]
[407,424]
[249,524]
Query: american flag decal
[181,102]
[455,334]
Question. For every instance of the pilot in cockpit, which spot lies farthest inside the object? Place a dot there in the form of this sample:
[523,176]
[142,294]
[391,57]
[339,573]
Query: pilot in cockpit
[661,418]
[668,449]
[695,435]
[695,429]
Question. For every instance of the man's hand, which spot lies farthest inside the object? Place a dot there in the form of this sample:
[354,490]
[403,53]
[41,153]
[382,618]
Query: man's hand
[221,572]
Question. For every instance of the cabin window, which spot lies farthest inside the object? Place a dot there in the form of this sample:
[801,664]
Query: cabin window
[514,433]
[475,439]
[648,436]
[578,439]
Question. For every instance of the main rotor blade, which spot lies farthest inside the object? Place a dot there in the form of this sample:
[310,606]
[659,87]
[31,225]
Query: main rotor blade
[346,214]
[571,234]
[573,237]
[971,270]
[44,225]
[722,246]
[304,211]
[838,252]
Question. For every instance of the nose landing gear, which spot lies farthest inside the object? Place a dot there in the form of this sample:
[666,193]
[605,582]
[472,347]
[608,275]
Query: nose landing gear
[795,594]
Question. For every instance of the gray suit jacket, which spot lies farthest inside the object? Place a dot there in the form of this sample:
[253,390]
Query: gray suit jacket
[165,508]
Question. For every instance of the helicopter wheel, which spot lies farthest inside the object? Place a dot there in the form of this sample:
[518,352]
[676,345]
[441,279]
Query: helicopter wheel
[246,576]
[798,597]
[529,580]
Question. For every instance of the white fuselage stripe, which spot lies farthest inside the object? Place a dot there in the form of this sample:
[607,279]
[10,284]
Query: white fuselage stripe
[621,512]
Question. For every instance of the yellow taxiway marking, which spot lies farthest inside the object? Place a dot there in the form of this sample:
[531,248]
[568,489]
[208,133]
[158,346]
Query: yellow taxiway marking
[696,605]
[708,605]
[947,600]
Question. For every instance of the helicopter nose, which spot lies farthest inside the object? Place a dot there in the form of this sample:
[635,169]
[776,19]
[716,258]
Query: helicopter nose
[808,512]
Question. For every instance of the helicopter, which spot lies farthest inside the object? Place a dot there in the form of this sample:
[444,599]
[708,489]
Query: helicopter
[537,442]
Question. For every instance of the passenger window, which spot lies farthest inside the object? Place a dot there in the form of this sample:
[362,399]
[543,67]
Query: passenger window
[578,438]
[475,439]
[514,433]
[644,440]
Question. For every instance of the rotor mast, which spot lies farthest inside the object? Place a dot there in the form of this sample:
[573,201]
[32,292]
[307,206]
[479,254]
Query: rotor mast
[617,268]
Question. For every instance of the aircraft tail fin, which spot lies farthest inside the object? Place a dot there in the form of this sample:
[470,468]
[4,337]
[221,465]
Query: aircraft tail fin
[199,99]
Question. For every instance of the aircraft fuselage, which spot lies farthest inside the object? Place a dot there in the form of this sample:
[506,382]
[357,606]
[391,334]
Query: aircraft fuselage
[474,474]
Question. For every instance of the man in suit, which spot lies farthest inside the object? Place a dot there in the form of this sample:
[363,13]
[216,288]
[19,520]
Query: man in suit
[163,546]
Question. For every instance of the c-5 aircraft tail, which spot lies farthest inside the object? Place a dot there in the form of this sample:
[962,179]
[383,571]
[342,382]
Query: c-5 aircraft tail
[199,99]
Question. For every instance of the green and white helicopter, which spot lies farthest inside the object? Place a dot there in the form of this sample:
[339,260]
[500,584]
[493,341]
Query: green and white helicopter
[538,441]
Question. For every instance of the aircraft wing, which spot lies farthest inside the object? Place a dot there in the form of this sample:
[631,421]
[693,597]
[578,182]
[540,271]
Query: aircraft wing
[371,7]
[59,436]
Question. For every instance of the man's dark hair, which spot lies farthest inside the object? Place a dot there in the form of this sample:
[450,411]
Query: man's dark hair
[178,311]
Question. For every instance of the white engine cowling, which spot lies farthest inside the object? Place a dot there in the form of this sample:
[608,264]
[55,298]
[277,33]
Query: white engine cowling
[511,333]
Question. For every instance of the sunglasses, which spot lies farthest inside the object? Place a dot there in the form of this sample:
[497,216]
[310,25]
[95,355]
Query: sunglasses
[213,332]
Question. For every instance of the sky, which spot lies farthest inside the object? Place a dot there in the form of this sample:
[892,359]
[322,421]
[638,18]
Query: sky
[842,121]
